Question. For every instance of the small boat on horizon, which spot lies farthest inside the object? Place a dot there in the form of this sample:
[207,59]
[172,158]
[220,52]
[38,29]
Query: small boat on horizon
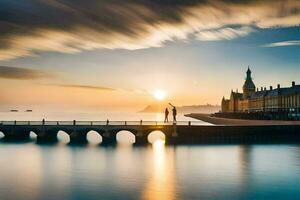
[28,111]
[14,111]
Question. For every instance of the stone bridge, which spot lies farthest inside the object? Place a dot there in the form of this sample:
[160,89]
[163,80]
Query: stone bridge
[47,131]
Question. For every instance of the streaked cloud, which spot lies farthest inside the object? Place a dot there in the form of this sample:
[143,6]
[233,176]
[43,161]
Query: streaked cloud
[283,43]
[89,87]
[224,33]
[30,27]
[22,73]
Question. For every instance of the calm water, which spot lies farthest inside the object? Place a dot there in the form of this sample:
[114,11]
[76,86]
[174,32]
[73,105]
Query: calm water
[87,116]
[157,172]
[31,171]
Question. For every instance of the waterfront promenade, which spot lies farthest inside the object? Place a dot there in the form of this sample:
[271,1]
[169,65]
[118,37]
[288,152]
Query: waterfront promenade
[180,133]
[231,122]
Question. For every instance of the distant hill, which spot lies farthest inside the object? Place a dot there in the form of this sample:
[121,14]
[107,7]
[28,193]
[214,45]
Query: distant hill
[159,108]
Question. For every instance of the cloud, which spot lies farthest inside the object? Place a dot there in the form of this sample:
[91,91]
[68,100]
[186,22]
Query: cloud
[18,73]
[223,33]
[65,26]
[89,87]
[22,73]
[283,43]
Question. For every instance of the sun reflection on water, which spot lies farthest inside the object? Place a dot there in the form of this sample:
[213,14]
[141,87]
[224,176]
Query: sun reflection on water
[161,183]
[159,145]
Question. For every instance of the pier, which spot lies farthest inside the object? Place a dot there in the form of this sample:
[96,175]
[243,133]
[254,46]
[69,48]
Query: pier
[180,133]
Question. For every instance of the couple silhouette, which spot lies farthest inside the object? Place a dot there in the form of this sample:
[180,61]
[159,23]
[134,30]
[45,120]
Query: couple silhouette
[174,113]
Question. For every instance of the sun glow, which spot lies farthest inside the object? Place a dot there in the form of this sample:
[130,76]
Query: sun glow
[159,95]
[158,144]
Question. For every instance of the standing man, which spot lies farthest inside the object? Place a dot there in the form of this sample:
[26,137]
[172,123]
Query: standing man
[174,112]
[166,115]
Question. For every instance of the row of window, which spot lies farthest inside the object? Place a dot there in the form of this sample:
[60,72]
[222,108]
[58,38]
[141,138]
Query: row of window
[270,103]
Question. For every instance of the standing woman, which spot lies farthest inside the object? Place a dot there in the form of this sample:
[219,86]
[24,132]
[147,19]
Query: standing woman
[166,115]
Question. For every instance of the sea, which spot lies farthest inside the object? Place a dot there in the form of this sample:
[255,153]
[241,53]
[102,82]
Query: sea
[154,172]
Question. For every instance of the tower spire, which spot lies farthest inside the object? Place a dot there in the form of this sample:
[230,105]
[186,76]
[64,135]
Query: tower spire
[249,86]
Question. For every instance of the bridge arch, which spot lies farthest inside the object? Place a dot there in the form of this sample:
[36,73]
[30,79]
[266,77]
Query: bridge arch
[125,137]
[1,135]
[94,137]
[2,129]
[156,135]
[63,137]
[33,135]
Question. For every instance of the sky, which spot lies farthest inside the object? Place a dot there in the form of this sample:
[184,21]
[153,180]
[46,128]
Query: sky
[115,55]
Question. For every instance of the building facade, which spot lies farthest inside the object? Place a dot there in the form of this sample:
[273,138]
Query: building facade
[272,100]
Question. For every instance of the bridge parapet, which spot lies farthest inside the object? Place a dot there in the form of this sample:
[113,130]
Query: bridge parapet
[100,123]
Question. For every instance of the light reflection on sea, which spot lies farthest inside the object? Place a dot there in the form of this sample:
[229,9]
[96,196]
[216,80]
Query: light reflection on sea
[31,171]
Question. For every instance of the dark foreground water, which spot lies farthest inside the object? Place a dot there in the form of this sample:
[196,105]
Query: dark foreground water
[62,172]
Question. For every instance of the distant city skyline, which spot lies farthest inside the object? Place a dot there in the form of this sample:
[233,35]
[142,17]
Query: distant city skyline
[118,55]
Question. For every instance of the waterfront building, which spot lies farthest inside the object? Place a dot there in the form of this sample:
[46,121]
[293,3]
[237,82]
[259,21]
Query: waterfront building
[272,101]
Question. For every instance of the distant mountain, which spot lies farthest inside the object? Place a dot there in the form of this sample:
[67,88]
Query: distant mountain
[159,108]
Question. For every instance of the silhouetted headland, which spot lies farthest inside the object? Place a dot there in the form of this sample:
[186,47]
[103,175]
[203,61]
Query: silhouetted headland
[159,108]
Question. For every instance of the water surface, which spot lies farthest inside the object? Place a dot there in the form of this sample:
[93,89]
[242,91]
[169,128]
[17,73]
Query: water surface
[32,171]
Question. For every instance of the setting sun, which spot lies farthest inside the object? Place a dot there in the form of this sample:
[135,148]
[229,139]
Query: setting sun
[159,95]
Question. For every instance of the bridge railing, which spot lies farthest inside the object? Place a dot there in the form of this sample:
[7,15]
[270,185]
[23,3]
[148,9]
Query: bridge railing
[99,123]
